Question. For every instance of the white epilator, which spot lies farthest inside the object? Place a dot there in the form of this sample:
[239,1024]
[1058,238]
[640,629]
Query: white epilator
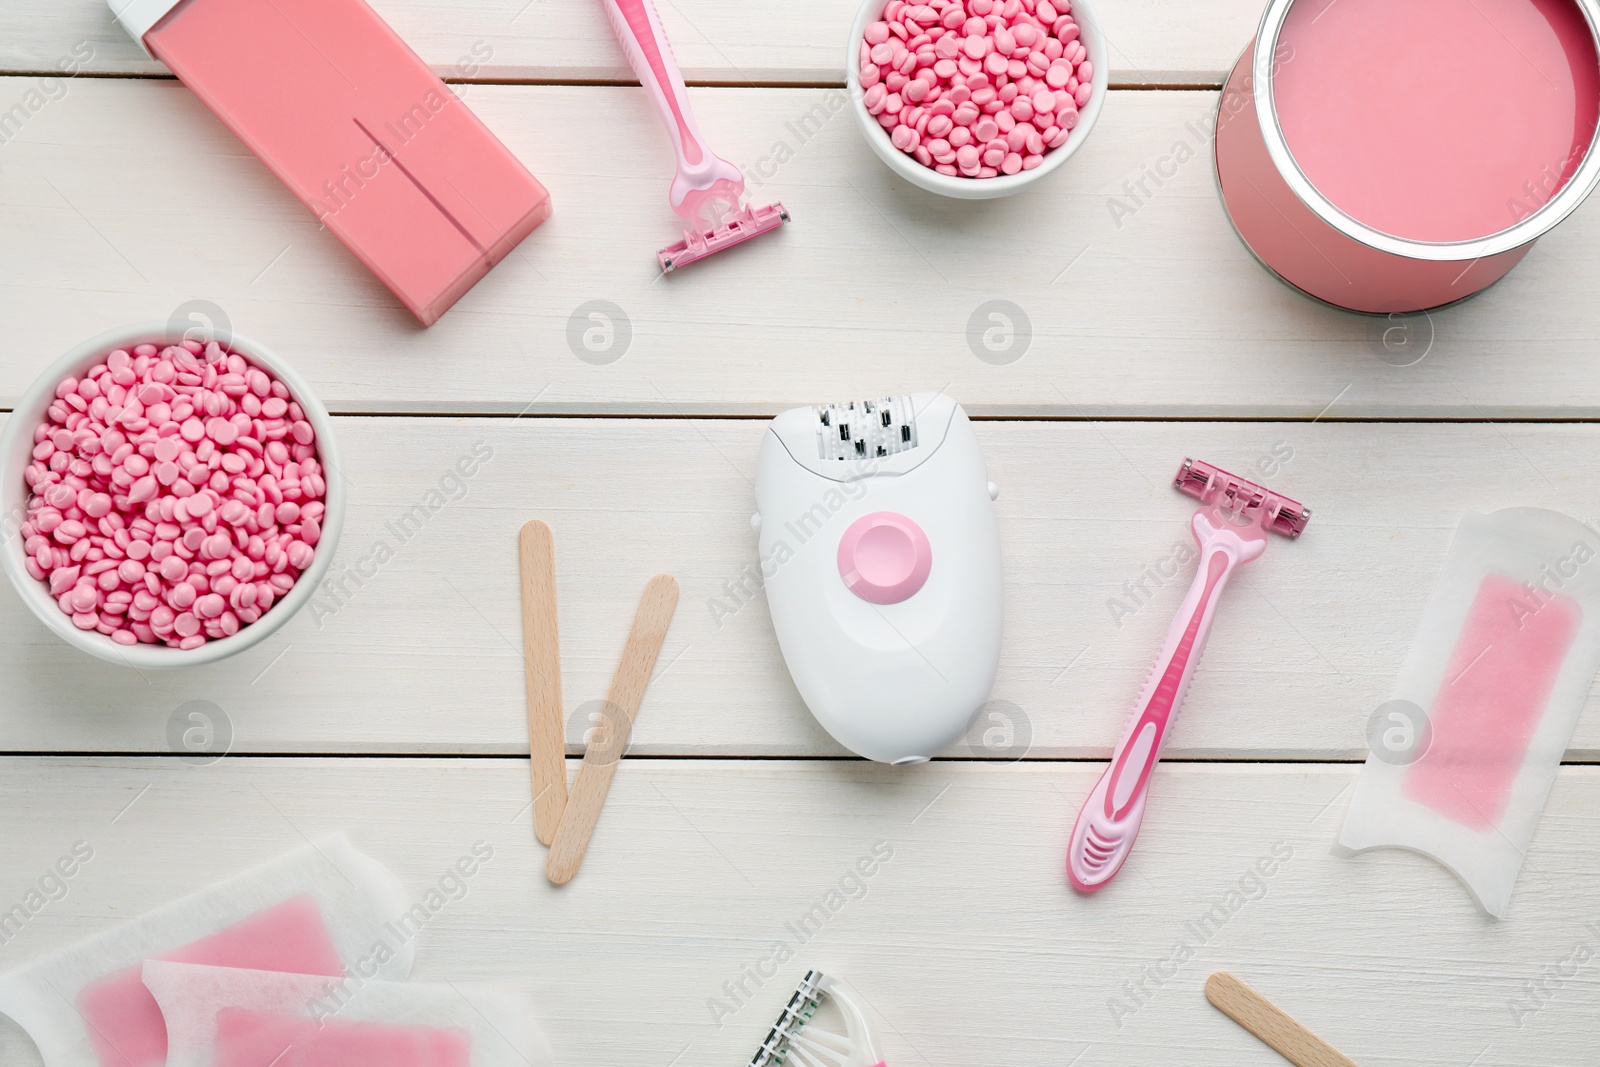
[881,554]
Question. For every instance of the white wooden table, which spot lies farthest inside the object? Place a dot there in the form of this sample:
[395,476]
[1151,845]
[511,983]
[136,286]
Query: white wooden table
[397,715]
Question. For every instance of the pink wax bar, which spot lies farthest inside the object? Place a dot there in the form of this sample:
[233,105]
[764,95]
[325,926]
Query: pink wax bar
[358,127]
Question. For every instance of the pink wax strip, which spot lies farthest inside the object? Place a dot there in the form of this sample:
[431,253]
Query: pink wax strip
[125,1023]
[358,127]
[1494,692]
[268,1039]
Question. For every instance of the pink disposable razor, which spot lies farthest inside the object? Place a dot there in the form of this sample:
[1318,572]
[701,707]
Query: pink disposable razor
[1231,529]
[707,189]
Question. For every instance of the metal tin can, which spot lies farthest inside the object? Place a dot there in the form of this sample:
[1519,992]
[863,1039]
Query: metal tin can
[1316,238]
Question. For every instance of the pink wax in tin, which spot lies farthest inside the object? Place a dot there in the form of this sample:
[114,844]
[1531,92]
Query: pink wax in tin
[1437,120]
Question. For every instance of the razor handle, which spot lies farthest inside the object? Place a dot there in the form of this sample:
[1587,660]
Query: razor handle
[638,28]
[1106,828]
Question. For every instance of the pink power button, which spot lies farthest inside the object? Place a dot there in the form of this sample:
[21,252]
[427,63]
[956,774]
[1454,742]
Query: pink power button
[884,557]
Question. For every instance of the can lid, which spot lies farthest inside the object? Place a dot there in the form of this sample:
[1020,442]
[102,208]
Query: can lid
[138,17]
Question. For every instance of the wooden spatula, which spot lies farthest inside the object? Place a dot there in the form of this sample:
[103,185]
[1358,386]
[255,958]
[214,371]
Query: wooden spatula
[1277,1029]
[541,665]
[600,760]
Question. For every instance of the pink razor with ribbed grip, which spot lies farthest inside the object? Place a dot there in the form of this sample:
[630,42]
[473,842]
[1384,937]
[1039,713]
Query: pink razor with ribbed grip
[1231,529]
[707,189]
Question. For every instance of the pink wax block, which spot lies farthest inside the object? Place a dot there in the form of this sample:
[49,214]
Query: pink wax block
[1437,120]
[125,1023]
[268,1039]
[358,127]
[1494,692]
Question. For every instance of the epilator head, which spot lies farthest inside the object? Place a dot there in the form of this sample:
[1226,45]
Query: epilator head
[881,553]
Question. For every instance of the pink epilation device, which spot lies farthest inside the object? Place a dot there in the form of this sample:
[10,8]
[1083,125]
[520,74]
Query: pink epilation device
[707,189]
[1231,529]
[357,126]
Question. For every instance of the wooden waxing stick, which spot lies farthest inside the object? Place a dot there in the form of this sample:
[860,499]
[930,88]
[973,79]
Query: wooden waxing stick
[1278,1030]
[541,665]
[600,760]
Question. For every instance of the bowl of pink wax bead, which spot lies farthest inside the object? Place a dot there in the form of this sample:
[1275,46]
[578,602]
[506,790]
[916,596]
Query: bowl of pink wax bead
[976,99]
[168,502]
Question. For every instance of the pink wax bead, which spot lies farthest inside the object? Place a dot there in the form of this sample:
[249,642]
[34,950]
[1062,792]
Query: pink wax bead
[145,464]
[940,78]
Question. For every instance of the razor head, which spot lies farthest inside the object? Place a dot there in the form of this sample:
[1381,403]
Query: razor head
[809,1034]
[744,224]
[1213,485]
[796,1014]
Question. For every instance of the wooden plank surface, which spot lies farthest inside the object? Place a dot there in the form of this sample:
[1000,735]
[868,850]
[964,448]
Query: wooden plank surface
[714,40]
[965,941]
[875,288]
[423,654]
[394,708]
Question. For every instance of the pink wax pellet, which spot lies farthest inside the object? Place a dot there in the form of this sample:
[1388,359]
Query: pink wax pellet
[983,69]
[141,470]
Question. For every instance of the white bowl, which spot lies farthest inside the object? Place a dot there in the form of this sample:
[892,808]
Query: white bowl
[977,188]
[16,447]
